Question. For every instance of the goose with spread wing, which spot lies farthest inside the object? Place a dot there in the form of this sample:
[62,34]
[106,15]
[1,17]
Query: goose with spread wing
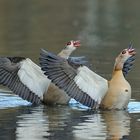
[86,86]
[26,79]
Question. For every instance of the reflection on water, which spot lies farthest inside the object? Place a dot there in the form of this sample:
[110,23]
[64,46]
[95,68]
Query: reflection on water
[24,121]
[46,122]
[109,125]
[118,124]
[33,125]
[93,127]
[9,100]
[104,27]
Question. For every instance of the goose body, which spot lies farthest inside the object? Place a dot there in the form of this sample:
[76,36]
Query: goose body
[118,93]
[26,79]
[86,86]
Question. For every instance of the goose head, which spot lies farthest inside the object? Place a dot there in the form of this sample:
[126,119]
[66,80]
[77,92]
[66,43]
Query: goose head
[69,48]
[124,56]
[72,45]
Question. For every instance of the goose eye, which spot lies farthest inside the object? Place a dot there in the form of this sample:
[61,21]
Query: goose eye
[69,43]
[124,51]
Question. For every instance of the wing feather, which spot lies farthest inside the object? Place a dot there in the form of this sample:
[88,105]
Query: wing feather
[81,84]
[32,76]
[15,73]
[128,65]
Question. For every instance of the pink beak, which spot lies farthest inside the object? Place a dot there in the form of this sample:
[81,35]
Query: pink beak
[76,43]
[131,50]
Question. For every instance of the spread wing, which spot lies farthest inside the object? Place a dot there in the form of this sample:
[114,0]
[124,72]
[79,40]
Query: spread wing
[128,65]
[81,84]
[18,75]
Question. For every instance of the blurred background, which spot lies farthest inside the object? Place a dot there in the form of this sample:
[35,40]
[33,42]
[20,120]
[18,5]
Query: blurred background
[105,27]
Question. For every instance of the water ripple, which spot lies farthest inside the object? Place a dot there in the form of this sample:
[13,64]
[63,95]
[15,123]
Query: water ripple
[8,100]
[133,106]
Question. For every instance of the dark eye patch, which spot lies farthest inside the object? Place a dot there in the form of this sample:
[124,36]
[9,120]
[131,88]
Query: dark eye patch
[124,51]
[69,43]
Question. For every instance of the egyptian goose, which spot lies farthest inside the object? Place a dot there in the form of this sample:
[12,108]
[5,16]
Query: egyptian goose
[55,95]
[86,86]
[26,79]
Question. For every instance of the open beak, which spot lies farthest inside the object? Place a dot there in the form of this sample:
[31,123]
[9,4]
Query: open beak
[77,43]
[131,50]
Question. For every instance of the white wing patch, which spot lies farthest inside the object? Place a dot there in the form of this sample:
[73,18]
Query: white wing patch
[33,77]
[91,83]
